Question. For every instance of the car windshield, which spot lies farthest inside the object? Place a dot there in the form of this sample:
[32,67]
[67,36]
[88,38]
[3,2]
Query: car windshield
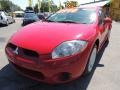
[30,16]
[84,16]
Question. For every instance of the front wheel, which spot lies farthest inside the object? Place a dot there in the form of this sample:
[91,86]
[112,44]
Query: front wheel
[7,23]
[91,60]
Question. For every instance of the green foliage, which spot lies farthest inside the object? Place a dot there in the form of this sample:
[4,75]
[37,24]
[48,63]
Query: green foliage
[61,7]
[8,6]
[45,6]
[36,8]
[5,5]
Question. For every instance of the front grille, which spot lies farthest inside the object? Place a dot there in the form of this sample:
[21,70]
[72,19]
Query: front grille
[12,46]
[25,53]
[30,53]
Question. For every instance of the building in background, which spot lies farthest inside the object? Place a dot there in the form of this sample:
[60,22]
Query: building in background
[110,7]
[18,14]
[115,10]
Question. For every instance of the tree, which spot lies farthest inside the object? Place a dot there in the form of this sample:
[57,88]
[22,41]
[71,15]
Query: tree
[36,8]
[5,5]
[61,7]
[45,7]
[8,6]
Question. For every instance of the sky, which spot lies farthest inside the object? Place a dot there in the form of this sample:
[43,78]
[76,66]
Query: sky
[24,3]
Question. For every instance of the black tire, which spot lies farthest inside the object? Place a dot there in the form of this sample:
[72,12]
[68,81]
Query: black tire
[89,67]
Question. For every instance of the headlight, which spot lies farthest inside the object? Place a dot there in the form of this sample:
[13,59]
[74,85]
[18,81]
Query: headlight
[68,48]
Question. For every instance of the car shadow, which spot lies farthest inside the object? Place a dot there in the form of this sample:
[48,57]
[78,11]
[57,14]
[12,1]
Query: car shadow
[2,25]
[10,80]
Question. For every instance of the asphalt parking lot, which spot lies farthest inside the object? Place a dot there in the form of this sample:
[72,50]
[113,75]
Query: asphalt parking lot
[104,77]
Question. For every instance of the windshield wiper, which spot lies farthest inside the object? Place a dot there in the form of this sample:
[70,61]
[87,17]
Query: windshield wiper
[67,21]
[49,20]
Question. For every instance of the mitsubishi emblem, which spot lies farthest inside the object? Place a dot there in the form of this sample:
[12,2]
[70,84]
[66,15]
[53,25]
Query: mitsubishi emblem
[16,51]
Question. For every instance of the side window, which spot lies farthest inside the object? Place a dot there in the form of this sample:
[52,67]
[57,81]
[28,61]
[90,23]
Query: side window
[101,17]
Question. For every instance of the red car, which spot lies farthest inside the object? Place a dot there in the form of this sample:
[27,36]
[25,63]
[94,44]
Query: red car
[61,48]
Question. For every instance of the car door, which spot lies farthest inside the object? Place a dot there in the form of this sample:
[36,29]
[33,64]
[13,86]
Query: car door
[102,26]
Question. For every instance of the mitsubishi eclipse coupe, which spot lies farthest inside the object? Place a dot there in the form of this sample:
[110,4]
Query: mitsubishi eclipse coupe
[62,47]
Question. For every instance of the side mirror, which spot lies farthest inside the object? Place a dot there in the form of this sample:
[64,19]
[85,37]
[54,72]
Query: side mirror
[107,20]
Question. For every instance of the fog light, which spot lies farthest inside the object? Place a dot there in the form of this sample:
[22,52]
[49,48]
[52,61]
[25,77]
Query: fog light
[64,76]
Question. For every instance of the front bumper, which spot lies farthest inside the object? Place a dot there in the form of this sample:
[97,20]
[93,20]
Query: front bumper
[50,71]
[2,22]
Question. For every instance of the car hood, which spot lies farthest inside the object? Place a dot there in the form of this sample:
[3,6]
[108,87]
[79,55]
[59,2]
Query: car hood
[45,36]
